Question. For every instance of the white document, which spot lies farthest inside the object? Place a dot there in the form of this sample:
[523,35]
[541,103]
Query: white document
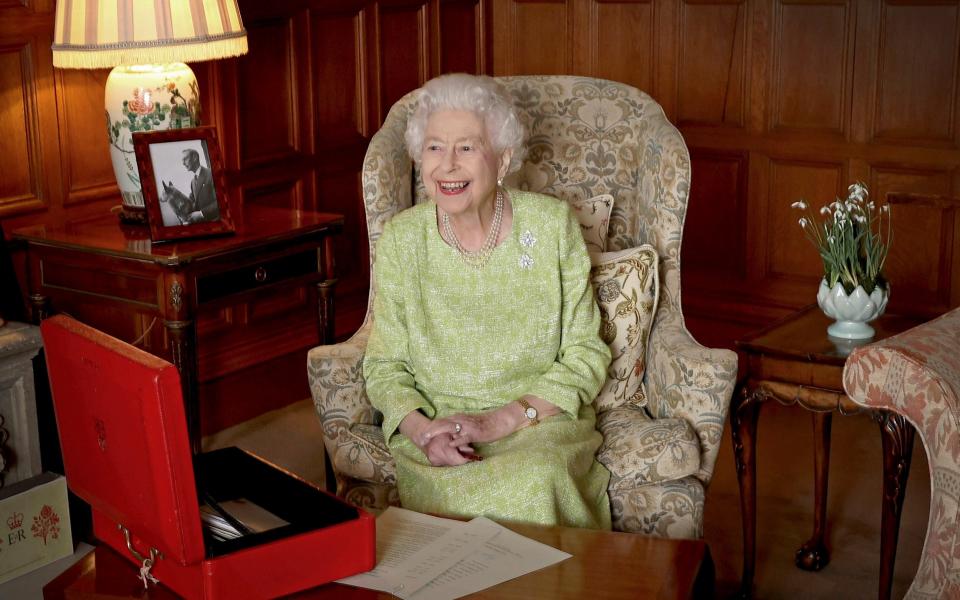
[504,557]
[413,549]
[420,557]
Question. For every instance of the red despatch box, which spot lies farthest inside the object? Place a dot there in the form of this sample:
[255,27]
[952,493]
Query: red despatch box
[126,452]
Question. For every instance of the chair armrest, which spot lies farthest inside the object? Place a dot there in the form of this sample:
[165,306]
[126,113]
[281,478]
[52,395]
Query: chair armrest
[917,375]
[339,396]
[689,381]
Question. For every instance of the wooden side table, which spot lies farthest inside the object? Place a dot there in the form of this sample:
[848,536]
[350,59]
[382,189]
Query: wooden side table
[113,277]
[795,362]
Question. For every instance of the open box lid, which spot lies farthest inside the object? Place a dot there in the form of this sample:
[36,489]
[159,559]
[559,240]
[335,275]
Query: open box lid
[123,435]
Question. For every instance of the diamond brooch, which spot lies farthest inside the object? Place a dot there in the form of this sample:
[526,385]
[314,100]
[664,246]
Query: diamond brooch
[527,240]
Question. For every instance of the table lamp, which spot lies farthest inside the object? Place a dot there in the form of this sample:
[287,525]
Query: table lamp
[150,88]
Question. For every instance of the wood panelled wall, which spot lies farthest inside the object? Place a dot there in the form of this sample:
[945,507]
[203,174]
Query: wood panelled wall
[294,118]
[320,77]
[777,99]
[294,115]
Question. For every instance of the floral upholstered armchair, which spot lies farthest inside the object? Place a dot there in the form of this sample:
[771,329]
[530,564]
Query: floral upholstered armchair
[917,375]
[586,137]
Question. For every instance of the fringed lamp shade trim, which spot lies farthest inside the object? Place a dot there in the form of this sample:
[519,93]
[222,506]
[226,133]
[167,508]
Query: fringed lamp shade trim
[156,52]
[92,34]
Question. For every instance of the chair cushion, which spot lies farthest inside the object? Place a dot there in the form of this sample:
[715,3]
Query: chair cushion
[638,450]
[626,286]
[594,217]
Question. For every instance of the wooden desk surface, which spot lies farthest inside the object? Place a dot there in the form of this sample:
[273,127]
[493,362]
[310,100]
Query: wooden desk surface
[104,234]
[604,564]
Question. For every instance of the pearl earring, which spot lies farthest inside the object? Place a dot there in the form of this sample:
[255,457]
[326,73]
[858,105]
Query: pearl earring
[500,181]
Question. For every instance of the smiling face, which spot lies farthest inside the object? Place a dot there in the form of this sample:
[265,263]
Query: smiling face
[458,165]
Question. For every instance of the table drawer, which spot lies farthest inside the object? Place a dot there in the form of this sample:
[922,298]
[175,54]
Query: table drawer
[225,283]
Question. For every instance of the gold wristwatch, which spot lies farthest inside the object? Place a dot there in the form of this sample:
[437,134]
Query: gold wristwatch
[528,411]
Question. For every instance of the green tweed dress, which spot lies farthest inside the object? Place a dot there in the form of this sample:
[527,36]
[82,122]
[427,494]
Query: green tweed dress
[449,338]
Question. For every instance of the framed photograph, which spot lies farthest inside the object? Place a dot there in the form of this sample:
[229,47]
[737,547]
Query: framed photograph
[181,175]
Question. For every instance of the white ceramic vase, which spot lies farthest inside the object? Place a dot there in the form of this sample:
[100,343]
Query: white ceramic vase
[851,312]
[145,98]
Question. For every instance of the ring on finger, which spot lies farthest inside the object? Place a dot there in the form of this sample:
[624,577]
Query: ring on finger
[457,428]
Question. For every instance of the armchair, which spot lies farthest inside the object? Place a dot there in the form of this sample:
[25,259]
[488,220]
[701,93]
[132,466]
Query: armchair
[917,376]
[585,137]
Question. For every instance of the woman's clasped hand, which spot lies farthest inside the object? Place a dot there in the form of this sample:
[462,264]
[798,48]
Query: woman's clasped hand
[449,441]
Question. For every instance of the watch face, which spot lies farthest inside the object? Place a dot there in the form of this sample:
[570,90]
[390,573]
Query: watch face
[531,413]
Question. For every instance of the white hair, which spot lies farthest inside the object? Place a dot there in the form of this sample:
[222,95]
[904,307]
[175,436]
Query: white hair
[479,94]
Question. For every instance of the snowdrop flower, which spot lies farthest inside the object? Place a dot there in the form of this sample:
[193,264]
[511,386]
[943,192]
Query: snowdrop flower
[852,242]
[857,191]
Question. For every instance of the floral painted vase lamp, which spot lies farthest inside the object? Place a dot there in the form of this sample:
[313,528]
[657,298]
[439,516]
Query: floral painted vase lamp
[853,238]
[147,42]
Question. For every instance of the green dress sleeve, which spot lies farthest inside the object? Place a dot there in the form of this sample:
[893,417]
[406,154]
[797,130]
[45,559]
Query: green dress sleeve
[580,368]
[387,372]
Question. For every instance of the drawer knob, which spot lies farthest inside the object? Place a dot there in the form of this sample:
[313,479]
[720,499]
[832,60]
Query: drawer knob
[260,274]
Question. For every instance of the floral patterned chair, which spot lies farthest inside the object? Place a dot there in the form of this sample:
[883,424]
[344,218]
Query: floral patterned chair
[917,374]
[585,137]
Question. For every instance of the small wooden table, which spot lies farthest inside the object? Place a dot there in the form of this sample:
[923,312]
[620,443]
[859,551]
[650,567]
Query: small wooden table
[795,362]
[112,277]
[604,564]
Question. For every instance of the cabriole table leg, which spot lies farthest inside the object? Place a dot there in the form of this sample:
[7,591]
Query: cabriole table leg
[743,420]
[897,435]
[813,554]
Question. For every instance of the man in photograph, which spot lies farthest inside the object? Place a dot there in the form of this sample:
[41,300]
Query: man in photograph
[203,198]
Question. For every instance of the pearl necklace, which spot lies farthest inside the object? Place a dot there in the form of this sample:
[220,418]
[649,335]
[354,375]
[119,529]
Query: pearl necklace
[479,258]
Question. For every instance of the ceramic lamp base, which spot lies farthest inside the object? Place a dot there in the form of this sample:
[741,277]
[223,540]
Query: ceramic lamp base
[850,330]
[145,98]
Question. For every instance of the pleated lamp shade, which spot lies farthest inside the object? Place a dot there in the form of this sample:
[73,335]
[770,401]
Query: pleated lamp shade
[148,43]
[95,34]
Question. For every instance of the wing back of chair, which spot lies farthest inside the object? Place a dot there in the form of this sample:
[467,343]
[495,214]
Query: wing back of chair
[917,374]
[585,137]
[590,136]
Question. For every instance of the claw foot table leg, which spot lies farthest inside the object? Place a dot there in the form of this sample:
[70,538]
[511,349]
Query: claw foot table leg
[813,554]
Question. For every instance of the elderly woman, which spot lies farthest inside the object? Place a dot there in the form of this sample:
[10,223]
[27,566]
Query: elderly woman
[485,355]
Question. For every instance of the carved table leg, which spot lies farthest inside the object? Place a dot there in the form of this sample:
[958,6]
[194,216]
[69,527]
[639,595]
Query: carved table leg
[743,420]
[325,308]
[813,554]
[40,307]
[183,344]
[897,435]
